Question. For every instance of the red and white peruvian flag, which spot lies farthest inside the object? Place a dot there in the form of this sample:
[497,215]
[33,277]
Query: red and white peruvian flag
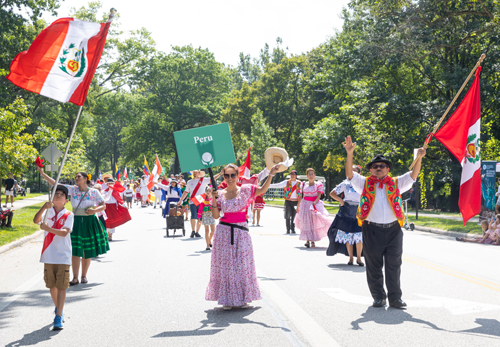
[461,135]
[155,174]
[61,62]
[244,170]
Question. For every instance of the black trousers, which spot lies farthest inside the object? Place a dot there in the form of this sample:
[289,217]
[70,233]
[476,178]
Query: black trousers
[383,245]
[7,222]
[290,214]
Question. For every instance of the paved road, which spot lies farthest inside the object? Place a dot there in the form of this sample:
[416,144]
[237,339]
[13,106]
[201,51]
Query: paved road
[149,291]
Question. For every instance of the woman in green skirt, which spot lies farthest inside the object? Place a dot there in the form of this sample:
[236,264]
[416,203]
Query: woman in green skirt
[88,238]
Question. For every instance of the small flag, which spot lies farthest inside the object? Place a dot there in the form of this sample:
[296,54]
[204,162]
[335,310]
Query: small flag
[198,199]
[125,174]
[100,175]
[244,170]
[155,174]
[146,167]
[117,172]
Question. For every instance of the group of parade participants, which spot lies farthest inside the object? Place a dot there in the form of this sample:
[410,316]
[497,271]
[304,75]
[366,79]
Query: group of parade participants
[367,224]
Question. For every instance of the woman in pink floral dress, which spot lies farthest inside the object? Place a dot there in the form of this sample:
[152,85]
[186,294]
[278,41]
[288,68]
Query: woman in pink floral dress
[233,281]
[312,218]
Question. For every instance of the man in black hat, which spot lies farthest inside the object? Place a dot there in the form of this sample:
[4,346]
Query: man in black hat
[291,194]
[381,214]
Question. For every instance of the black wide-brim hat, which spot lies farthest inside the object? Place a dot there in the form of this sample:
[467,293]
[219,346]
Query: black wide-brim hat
[379,158]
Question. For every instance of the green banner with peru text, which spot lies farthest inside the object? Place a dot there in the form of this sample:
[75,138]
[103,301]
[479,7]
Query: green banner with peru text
[204,147]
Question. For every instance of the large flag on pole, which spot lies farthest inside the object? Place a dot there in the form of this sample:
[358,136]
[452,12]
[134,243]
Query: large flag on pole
[460,135]
[125,174]
[61,62]
[244,170]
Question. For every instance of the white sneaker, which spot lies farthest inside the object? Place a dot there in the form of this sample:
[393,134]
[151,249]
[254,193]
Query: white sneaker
[227,308]
[245,306]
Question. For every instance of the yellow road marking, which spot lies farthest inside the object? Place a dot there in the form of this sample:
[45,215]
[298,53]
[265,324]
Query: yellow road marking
[454,273]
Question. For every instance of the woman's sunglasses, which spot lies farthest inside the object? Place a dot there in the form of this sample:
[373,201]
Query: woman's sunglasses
[382,166]
[227,176]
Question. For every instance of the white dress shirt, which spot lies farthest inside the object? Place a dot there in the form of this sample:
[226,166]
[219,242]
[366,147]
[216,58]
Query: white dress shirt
[381,211]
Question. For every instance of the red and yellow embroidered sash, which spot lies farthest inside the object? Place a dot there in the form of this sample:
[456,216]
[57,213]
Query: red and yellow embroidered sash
[289,189]
[368,198]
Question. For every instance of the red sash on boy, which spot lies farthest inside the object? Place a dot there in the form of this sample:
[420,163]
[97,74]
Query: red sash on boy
[58,224]
[195,190]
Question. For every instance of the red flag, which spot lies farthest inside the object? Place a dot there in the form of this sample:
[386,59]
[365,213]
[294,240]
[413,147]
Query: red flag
[244,170]
[461,135]
[61,62]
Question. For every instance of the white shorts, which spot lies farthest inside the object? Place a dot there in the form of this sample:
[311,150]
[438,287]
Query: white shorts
[9,192]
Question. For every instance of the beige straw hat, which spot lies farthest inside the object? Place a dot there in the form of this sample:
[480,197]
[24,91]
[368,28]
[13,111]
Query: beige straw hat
[275,155]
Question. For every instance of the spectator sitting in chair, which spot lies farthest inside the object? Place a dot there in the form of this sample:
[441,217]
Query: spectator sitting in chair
[6,216]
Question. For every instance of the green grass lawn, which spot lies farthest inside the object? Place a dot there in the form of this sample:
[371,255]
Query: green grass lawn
[22,224]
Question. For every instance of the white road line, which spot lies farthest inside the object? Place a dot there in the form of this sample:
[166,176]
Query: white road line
[454,306]
[308,327]
[19,291]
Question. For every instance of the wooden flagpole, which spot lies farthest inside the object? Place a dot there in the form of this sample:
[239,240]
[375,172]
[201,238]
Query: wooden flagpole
[64,158]
[428,139]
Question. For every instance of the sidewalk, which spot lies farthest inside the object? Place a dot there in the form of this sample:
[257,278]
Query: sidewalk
[28,202]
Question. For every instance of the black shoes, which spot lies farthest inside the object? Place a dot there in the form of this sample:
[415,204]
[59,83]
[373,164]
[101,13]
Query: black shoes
[379,303]
[288,231]
[293,231]
[197,235]
[398,304]
[192,234]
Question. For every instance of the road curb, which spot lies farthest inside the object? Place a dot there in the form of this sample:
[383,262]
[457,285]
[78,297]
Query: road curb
[20,242]
[419,228]
[441,232]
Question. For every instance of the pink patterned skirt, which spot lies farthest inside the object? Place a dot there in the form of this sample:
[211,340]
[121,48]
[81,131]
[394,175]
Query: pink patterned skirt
[313,225]
[233,281]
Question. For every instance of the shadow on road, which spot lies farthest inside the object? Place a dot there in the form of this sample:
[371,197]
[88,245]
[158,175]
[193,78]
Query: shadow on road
[345,267]
[37,336]
[312,249]
[270,279]
[389,316]
[217,320]
[487,327]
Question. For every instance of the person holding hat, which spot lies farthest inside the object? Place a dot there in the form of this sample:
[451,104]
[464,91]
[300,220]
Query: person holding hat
[88,238]
[292,195]
[233,279]
[117,214]
[345,232]
[312,217]
[381,215]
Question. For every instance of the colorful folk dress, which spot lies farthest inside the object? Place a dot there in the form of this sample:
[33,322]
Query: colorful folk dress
[233,281]
[313,219]
[88,238]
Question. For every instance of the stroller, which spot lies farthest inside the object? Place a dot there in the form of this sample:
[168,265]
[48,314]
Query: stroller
[407,225]
[175,219]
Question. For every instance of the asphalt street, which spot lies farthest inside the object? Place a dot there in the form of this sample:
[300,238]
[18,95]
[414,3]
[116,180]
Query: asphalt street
[149,290]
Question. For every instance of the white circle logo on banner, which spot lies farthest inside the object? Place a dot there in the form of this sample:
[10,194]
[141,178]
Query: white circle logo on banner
[207,158]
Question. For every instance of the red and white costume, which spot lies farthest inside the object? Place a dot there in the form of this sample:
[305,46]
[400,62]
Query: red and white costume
[116,212]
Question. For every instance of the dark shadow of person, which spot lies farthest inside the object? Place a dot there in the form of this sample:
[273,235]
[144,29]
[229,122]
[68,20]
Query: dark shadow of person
[487,327]
[37,336]
[217,320]
[389,317]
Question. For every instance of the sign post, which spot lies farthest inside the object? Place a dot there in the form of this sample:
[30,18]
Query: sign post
[204,148]
[51,154]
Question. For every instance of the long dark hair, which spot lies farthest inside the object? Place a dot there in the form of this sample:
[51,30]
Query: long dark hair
[84,174]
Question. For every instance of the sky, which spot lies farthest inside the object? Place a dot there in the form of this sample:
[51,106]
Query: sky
[225,27]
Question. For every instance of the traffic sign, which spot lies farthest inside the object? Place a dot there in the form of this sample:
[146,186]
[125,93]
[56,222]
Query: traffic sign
[51,153]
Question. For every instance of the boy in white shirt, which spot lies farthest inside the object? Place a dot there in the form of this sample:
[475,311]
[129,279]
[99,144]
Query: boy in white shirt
[56,250]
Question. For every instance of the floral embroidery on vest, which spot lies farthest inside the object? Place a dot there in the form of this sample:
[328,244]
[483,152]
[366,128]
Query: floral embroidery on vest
[368,198]
[288,189]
